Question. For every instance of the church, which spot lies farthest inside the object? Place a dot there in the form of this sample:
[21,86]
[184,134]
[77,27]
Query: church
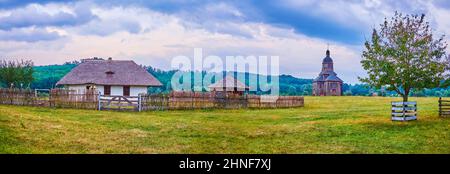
[327,84]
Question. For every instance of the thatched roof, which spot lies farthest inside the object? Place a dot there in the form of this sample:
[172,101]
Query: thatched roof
[229,83]
[109,72]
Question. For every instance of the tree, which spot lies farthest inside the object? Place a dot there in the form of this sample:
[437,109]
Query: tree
[404,55]
[16,73]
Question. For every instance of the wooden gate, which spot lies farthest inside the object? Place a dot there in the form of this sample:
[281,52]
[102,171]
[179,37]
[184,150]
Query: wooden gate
[118,103]
[444,108]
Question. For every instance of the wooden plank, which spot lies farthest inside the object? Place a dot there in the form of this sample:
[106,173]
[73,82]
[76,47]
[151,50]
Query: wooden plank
[403,103]
[401,108]
[404,118]
[406,114]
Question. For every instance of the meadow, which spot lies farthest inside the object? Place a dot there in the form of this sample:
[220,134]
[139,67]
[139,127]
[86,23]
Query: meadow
[324,125]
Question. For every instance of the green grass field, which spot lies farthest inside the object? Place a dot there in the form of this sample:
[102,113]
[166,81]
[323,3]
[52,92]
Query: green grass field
[324,125]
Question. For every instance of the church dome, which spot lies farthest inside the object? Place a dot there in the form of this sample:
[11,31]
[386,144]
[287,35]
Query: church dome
[327,59]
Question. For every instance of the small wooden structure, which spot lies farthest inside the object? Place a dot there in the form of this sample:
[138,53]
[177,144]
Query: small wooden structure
[229,85]
[404,111]
[444,107]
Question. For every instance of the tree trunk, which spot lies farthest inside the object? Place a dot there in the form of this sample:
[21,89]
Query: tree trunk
[405,96]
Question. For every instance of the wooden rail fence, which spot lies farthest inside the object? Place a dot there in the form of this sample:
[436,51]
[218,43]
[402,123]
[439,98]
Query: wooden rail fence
[444,107]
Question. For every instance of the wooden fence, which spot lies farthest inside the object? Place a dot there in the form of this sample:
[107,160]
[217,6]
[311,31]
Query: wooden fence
[90,99]
[59,98]
[14,96]
[153,102]
[63,98]
[444,107]
[404,111]
[215,100]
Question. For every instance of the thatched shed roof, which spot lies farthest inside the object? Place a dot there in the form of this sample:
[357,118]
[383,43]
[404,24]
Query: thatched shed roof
[229,83]
[109,72]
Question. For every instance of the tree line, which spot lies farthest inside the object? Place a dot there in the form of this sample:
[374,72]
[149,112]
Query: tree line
[16,73]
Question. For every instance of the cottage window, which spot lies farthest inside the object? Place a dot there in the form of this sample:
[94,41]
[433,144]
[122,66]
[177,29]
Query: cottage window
[107,89]
[126,90]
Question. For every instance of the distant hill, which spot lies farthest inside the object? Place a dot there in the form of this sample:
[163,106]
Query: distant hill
[45,77]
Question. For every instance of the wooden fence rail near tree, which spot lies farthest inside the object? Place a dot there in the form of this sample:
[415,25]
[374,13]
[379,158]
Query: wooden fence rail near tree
[444,107]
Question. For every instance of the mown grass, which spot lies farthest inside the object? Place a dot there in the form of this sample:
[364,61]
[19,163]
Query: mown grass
[324,125]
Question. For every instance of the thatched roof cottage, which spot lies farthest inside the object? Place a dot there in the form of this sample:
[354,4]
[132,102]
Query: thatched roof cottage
[110,77]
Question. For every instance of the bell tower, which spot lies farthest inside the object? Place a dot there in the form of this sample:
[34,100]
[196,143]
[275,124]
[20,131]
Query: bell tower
[327,64]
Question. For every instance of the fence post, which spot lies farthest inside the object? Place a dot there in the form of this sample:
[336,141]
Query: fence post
[440,106]
[99,103]
[139,102]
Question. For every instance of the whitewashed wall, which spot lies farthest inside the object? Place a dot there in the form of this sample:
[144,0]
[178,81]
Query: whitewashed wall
[100,89]
[76,87]
[79,88]
[115,90]
[136,90]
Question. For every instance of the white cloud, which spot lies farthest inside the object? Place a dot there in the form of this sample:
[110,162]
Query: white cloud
[35,15]
[440,18]
[30,34]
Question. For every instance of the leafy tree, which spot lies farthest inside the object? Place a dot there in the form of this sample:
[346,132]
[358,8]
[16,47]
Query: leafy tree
[404,55]
[348,93]
[16,73]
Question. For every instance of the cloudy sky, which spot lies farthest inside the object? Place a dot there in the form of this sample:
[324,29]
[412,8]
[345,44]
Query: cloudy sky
[152,33]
